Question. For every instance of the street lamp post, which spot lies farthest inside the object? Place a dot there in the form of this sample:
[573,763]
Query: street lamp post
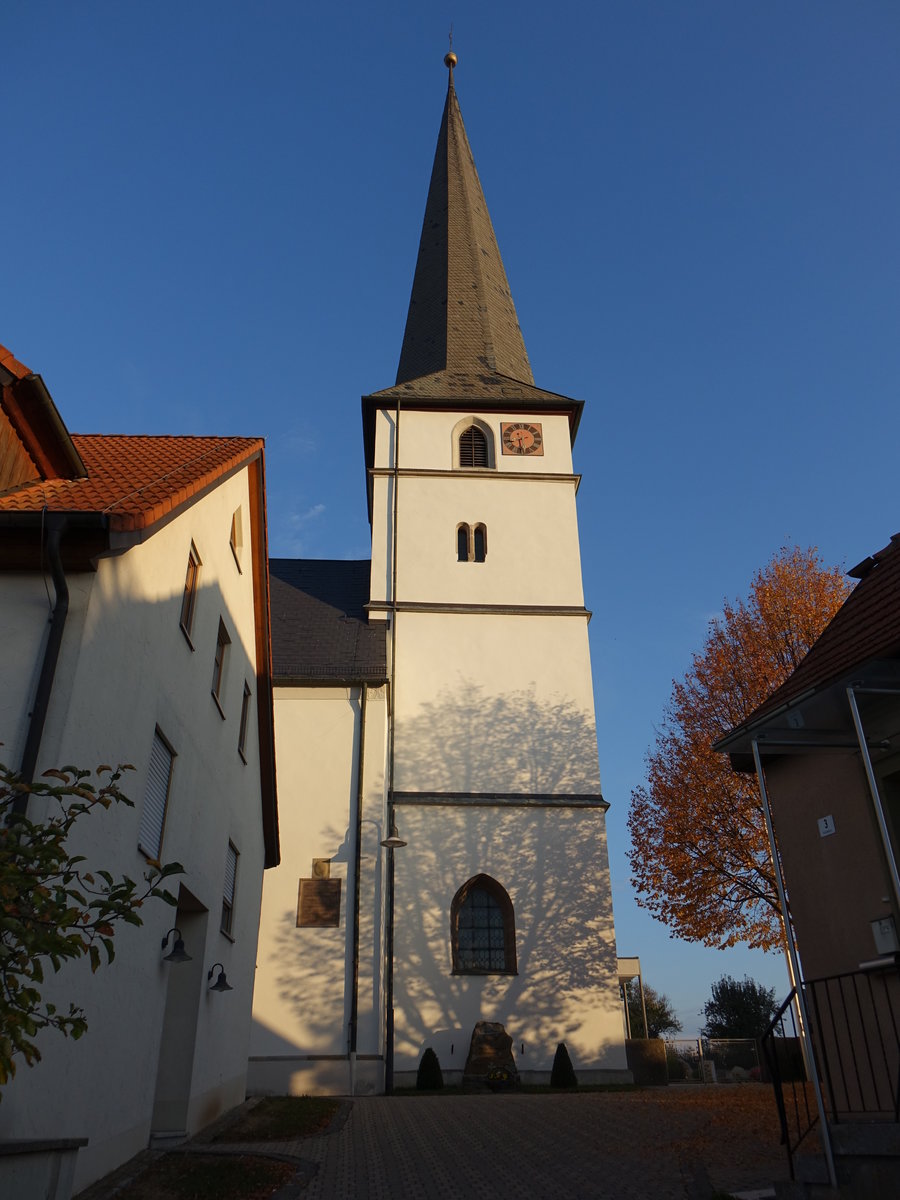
[391,843]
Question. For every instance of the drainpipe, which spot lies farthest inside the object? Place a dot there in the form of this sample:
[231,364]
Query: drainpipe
[56,527]
[872,781]
[389,940]
[360,788]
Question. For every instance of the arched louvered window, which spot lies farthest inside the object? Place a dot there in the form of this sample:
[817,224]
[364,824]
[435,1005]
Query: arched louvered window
[473,448]
[462,544]
[483,929]
[479,540]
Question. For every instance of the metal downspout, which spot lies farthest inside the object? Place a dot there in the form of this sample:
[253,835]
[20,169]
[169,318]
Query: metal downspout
[873,784]
[56,527]
[357,859]
[389,940]
[795,968]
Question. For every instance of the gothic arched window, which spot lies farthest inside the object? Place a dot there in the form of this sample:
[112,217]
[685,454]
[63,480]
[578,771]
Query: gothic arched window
[483,929]
[473,448]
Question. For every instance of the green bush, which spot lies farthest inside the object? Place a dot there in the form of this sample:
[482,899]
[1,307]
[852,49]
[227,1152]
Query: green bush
[563,1073]
[429,1076]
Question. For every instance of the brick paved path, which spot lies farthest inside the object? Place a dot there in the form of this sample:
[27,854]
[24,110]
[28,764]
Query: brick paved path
[654,1145]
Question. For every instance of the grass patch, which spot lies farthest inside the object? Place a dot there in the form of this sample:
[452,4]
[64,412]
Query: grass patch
[209,1177]
[282,1118]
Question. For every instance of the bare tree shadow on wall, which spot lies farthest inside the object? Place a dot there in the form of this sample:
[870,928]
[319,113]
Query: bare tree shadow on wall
[468,740]
[312,967]
[551,859]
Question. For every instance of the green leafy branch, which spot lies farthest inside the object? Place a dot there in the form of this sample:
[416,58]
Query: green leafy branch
[52,907]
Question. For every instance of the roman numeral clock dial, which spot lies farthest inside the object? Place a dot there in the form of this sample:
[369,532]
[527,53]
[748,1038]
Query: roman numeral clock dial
[519,437]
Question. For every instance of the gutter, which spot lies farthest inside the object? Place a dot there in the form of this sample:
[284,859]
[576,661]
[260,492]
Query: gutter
[56,527]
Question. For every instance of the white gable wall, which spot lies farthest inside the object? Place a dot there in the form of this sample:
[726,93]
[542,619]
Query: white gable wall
[126,668]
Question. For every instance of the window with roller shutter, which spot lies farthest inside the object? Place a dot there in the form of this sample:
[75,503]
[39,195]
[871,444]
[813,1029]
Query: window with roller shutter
[156,797]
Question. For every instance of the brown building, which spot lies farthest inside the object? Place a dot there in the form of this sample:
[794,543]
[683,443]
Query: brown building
[826,749]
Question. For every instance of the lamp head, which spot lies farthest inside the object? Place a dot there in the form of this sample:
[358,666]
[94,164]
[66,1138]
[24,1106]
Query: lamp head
[177,954]
[221,984]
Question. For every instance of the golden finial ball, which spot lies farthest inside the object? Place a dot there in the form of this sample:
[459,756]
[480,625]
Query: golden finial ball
[450,60]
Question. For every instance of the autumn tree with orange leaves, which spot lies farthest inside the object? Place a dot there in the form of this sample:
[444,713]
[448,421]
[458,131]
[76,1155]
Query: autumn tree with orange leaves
[699,853]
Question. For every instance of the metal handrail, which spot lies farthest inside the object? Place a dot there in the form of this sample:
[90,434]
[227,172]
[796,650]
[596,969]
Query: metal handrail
[854,1028]
[806,1116]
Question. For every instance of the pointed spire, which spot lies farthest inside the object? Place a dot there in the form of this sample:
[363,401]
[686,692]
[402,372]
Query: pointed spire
[461,313]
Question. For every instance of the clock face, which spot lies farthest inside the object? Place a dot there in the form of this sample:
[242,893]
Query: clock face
[518,437]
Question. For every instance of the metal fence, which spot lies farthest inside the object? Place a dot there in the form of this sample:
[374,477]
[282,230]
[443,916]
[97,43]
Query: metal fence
[713,1060]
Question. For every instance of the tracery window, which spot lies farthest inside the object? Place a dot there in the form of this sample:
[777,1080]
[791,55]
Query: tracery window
[483,929]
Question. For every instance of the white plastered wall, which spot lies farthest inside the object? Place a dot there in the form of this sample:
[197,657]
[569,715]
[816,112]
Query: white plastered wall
[526,503]
[494,703]
[126,667]
[300,1040]
[553,864]
[497,702]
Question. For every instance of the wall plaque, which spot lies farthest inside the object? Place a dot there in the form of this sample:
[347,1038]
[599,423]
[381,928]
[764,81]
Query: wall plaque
[319,903]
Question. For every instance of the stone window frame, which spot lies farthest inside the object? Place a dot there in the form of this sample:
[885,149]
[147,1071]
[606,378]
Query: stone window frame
[501,897]
[471,542]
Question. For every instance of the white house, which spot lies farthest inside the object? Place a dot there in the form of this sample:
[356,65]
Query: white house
[134,626]
[444,687]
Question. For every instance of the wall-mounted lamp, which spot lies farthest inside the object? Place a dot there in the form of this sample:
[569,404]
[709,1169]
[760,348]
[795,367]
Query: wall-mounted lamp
[221,984]
[393,841]
[177,954]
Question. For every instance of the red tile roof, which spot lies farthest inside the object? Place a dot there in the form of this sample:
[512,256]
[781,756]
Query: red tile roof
[12,364]
[866,627]
[135,480]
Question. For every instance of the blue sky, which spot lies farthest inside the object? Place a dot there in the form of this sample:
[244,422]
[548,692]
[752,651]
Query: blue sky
[211,215]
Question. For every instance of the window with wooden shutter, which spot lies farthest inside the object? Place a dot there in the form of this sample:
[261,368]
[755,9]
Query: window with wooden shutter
[473,448]
[156,797]
[231,861]
[189,599]
[237,537]
[245,721]
[223,641]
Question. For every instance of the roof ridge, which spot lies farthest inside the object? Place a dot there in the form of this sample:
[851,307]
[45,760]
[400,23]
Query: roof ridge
[182,467]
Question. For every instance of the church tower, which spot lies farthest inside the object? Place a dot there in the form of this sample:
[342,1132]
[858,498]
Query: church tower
[436,748]
[501,897]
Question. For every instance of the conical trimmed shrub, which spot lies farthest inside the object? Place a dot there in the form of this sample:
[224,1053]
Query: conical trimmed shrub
[429,1077]
[563,1073]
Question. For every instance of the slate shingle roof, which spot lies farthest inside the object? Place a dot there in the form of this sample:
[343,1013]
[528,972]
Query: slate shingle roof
[461,312]
[320,633]
[482,386]
[133,479]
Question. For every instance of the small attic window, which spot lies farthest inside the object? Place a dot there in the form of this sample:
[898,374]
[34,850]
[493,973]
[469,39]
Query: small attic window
[237,536]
